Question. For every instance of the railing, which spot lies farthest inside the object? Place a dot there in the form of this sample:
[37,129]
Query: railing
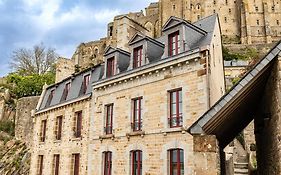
[175,121]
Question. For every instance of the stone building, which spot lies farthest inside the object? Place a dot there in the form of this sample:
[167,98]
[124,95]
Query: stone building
[130,114]
[241,21]
[256,96]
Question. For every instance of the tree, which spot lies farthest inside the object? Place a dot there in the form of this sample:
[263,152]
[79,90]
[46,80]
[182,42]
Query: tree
[31,85]
[38,60]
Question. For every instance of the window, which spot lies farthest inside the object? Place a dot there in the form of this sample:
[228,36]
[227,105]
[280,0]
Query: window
[108,118]
[277,22]
[257,9]
[75,163]
[176,161]
[175,108]
[58,129]
[225,19]
[229,10]
[78,124]
[214,2]
[137,62]
[107,163]
[43,130]
[137,114]
[273,8]
[56,164]
[110,67]
[258,22]
[66,91]
[85,84]
[173,43]
[50,98]
[136,162]
[174,7]
[110,30]
[40,165]
[226,2]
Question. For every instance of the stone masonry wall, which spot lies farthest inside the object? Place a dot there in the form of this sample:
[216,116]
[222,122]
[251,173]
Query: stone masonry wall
[23,120]
[268,126]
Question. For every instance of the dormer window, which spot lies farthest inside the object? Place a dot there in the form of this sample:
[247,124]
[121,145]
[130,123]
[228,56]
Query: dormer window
[137,62]
[86,81]
[110,67]
[66,91]
[173,43]
[50,97]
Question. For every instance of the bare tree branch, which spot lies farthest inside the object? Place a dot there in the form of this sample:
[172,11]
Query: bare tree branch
[33,61]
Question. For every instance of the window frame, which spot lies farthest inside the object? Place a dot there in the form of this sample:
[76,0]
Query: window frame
[40,164]
[110,67]
[107,162]
[178,162]
[59,127]
[43,130]
[138,57]
[86,82]
[76,163]
[56,164]
[178,114]
[78,124]
[137,107]
[171,43]
[136,165]
[108,125]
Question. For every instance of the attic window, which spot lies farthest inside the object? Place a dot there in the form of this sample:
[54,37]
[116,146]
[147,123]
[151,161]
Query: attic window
[65,91]
[137,62]
[85,84]
[50,98]
[173,43]
[110,67]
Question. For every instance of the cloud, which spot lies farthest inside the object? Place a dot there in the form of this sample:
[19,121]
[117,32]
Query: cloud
[61,24]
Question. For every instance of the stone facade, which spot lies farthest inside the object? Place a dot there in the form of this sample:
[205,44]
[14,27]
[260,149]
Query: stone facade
[68,144]
[23,119]
[194,71]
[267,125]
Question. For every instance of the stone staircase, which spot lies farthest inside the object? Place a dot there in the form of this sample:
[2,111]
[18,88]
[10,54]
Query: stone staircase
[241,160]
[241,168]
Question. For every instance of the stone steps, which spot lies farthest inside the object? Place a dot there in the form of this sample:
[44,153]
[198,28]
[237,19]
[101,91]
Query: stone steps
[241,168]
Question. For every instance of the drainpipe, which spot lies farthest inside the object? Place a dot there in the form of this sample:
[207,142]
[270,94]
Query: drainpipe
[207,53]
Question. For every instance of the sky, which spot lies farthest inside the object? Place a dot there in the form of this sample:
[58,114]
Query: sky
[59,24]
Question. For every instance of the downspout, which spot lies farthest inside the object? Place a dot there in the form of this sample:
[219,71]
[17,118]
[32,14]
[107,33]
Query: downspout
[208,79]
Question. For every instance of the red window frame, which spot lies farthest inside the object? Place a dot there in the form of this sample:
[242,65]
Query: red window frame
[43,130]
[110,67]
[66,90]
[176,162]
[59,127]
[52,93]
[108,119]
[175,119]
[137,114]
[86,82]
[173,43]
[76,163]
[56,164]
[138,54]
[78,124]
[136,162]
[107,163]
[40,164]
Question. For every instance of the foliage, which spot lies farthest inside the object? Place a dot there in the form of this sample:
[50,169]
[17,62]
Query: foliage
[240,138]
[38,60]
[31,85]
[7,126]
[248,53]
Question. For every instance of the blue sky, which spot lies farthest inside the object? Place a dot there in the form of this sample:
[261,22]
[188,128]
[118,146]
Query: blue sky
[61,24]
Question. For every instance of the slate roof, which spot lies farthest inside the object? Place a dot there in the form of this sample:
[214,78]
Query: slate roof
[204,27]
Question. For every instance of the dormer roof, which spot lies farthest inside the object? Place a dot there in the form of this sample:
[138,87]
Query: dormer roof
[174,21]
[139,37]
[111,49]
